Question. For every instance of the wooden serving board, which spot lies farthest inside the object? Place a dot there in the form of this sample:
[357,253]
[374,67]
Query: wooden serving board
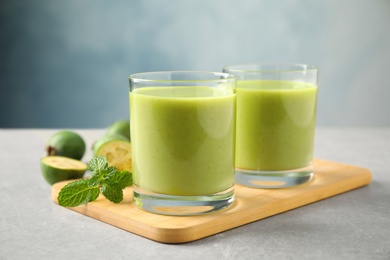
[330,178]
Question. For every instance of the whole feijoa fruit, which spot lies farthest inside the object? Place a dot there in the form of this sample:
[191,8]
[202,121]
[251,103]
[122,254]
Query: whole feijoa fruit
[66,143]
[116,149]
[58,168]
[120,127]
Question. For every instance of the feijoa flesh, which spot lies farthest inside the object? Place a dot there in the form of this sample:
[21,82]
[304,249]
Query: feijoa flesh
[58,168]
[116,149]
[66,143]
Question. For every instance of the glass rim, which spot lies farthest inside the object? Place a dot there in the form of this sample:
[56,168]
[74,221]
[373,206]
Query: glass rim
[223,76]
[270,67]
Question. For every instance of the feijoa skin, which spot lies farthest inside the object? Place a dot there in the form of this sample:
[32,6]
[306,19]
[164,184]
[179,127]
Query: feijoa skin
[66,143]
[116,149]
[120,127]
[58,168]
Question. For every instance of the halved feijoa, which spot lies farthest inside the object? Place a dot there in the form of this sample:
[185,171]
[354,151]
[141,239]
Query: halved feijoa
[67,144]
[120,127]
[116,149]
[58,168]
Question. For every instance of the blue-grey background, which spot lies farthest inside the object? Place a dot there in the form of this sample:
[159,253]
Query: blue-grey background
[66,63]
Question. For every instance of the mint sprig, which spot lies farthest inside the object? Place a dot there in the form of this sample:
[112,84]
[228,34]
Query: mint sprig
[78,192]
[104,179]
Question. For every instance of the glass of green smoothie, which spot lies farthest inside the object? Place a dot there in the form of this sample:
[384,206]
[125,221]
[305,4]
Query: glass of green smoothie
[183,137]
[276,116]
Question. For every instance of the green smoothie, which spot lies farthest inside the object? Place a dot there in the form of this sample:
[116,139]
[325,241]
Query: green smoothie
[182,139]
[275,124]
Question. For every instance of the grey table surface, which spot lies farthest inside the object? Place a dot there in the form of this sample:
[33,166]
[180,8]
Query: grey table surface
[352,225]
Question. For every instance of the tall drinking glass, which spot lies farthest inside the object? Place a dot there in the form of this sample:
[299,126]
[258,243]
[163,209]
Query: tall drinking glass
[276,117]
[182,132]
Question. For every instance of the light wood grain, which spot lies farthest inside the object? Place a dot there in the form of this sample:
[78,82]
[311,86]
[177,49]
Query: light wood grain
[330,178]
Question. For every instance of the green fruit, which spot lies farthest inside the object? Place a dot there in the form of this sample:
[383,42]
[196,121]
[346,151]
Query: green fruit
[58,168]
[67,144]
[121,127]
[116,149]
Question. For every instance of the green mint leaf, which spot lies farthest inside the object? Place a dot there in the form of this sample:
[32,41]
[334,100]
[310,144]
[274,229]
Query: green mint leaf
[95,180]
[105,179]
[97,165]
[112,192]
[77,193]
[108,172]
[111,170]
[123,179]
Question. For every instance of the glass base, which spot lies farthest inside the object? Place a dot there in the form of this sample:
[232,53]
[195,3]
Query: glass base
[273,179]
[182,205]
